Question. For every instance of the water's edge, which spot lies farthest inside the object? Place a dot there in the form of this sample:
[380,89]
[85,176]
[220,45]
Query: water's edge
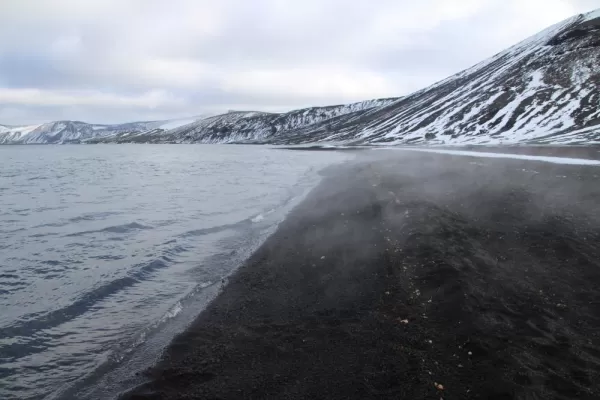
[124,370]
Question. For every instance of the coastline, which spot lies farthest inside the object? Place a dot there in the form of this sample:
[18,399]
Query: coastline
[413,276]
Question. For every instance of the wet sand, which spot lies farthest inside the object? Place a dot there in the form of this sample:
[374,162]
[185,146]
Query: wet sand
[410,276]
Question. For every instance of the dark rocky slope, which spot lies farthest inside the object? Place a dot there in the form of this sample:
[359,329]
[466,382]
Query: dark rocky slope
[542,90]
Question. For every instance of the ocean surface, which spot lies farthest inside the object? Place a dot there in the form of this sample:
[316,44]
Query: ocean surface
[108,251]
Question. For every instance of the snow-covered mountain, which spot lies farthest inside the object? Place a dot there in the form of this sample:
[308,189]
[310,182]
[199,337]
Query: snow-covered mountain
[542,90]
[234,126]
[66,132]
[61,132]
[13,134]
[246,126]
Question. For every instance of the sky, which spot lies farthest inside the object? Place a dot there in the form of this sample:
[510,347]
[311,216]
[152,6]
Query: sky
[112,61]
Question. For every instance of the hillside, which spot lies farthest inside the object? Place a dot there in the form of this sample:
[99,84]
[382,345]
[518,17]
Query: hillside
[542,90]
[248,126]
[60,132]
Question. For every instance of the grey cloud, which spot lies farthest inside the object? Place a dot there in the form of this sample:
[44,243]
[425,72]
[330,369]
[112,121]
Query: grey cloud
[197,50]
[32,70]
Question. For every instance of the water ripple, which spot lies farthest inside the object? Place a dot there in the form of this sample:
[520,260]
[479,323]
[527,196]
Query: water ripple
[34,323]
[102,247]
[125,228]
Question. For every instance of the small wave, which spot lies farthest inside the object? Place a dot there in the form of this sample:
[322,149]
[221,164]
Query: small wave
[27,329]
[241,224]
[204,285]
[40,235]
[42,209]
[173,312]
[175,250]
[52,225]
[21,210]
[144,272]
[70,312]
[51,262]
[93,216]
[216,229]
[13,231]
[120,351]
[107,257]
[13,284]
[126,228]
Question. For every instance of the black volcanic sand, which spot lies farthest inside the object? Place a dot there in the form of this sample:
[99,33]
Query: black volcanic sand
[407,271]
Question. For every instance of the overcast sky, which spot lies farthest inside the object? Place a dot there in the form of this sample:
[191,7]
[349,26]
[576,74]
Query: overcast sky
[109,61]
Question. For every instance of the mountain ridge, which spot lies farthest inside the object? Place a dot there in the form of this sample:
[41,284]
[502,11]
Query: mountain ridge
[232,126]
[541,90]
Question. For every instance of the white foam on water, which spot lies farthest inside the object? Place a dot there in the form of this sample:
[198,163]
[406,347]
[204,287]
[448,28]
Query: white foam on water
[173,312]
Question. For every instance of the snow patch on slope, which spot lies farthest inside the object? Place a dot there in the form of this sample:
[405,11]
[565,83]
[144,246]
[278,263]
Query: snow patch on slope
[591,15]
[544,87]
[10,134]
[176,123]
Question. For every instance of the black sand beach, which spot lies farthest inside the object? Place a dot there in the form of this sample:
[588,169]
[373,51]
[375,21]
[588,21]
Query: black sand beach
[410,276]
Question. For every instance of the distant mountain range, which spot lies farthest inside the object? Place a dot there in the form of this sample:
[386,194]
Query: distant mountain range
[234,126]
[61,132]
[542,90]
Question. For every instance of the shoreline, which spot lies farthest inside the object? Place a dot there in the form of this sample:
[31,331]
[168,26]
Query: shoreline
[110,377]
[589,152]
[413,276]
